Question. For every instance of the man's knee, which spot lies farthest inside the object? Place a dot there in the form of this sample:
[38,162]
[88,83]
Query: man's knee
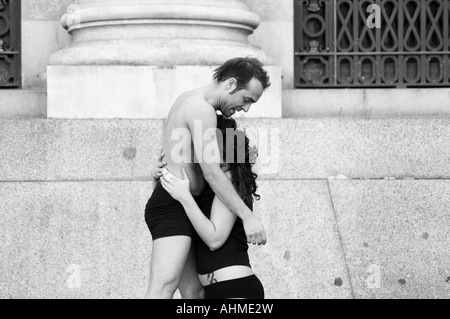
[192,292]
[191,288]
[162,289]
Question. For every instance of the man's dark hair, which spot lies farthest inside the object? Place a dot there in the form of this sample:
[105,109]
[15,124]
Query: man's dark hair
[243,70]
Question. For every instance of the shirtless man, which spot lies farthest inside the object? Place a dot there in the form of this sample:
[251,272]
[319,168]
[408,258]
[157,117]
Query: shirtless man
[237,85]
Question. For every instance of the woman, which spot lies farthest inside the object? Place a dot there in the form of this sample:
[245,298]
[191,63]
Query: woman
[222,253]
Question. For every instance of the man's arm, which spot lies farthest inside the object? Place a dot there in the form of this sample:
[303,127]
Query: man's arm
[202,123]
[226,192]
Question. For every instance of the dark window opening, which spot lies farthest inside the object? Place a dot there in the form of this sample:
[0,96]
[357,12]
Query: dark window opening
[335,46]
[10,58]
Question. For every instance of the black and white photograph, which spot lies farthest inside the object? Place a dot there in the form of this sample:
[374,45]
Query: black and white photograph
[224,154]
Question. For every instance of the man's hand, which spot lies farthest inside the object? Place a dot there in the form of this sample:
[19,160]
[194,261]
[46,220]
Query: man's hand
[254,230]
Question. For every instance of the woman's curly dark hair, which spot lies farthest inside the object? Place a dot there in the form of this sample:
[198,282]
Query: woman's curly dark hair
[243,177]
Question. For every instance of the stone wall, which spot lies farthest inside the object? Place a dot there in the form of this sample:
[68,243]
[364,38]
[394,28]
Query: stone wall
[356,208]
[42,35]
[275,34]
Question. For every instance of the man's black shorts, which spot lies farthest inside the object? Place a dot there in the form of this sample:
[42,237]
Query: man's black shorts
[165,216]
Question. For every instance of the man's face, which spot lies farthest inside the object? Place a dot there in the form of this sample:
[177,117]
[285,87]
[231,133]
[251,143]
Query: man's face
[241,100]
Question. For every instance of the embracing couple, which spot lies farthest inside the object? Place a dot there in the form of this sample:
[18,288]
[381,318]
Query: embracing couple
[200,213]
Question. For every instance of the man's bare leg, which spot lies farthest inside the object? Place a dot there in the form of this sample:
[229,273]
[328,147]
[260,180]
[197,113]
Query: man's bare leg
[169,257]
[190,286]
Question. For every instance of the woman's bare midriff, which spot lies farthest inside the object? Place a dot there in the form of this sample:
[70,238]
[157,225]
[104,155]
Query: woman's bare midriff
[224,274]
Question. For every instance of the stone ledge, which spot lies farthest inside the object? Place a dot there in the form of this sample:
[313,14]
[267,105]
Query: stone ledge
[23,104]
[395,237]
[52,233]
[49,230]
[303,258]
[366,103]
[54,150]
[73,150]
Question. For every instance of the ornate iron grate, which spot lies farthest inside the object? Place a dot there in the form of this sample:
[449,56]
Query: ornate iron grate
[336,47]
[10,62]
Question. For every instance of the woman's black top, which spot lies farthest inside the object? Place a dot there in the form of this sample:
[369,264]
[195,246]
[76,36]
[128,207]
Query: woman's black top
[233,253]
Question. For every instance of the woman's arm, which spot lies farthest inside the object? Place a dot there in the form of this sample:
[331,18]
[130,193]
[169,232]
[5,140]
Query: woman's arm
[215,231]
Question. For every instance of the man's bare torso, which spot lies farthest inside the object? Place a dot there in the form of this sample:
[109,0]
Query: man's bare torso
[177,142]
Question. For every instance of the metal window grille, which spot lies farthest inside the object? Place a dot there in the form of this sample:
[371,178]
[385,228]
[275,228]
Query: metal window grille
[336,47]
[10,61]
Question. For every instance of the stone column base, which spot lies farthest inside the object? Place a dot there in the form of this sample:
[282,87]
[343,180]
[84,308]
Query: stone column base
[137,92]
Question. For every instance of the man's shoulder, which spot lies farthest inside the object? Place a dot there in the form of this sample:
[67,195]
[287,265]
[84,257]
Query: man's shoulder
[193,101]
[196,107]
